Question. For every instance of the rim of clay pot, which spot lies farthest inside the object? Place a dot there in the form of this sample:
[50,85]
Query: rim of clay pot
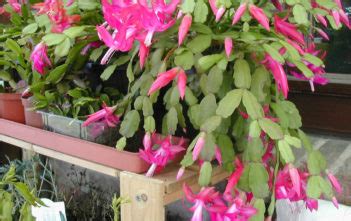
[10,96]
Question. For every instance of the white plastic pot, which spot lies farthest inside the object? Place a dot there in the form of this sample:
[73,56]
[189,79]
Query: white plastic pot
[296,211]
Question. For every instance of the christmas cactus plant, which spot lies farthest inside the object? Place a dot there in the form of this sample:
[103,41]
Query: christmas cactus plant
[214,71]
[220,71]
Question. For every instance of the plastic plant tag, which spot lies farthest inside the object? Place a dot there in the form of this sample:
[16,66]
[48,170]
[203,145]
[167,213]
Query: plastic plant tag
[53,211]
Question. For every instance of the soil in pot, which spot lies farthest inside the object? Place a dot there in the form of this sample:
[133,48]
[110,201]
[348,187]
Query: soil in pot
[32,117]
[11,107]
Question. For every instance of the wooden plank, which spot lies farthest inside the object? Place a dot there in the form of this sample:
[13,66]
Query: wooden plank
[16,142]
[146,195]
[76,161]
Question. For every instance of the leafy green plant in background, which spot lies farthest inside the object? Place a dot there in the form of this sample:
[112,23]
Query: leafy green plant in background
[9,185]
[116,206]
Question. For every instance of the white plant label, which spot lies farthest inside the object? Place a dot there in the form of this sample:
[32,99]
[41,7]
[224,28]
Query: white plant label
[54,211]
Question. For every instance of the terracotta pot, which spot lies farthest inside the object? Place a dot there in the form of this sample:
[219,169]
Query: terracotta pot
[11,107]
[32,117]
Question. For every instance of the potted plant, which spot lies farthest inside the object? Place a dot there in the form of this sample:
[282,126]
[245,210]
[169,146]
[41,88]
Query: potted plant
[16,71]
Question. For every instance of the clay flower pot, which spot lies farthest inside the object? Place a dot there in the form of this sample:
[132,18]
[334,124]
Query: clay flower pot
[11,107]
[32,117]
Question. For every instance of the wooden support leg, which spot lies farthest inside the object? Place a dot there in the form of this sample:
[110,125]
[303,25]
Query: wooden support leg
[27,154]
[146,196]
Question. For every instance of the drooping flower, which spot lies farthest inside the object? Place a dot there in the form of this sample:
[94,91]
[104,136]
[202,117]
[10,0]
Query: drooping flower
[15,5]
[200,143]
[228,45]
[165,78]
[260,16]
[184,28]
[203,200]
[127,21]
[278,73]
[234,177]
[57,14]
[318,71]
[295,179]
[106,115]
[334,181]
[161,152]
[237,210]
[239,13]
[288,30]
[40,59]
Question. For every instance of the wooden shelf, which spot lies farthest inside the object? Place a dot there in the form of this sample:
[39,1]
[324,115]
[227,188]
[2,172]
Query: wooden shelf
[148,195]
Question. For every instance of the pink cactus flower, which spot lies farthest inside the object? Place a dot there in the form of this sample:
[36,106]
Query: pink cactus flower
[128,21]
[334,181]
[234,177]
[184,28]
[40,59]
[158,158]
[60,20]
[260,16]
[203,200]
[278,73]
[239,13]
[165,78]
[200,143]
[228,45]
[295,179]
[106,115]
[15,5]
[288,30]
